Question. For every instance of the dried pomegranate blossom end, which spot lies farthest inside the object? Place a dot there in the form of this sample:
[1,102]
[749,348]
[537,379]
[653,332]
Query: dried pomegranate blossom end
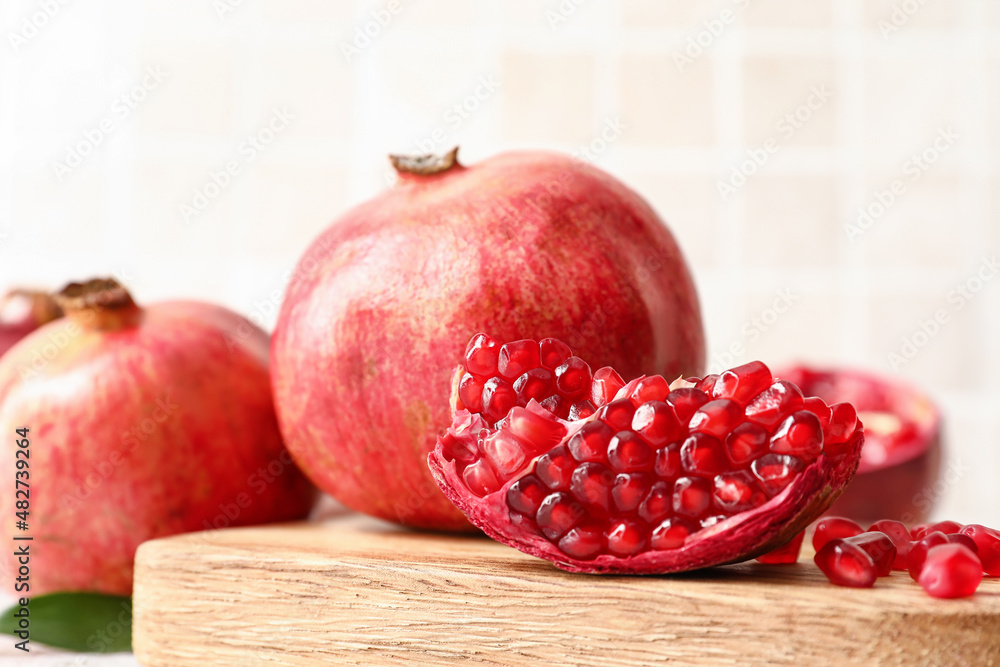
[650,469]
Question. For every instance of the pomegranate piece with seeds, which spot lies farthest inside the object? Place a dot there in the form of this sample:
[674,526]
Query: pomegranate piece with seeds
[951,570]
[652,477]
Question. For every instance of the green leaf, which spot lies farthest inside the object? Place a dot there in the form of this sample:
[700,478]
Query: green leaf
[85,622]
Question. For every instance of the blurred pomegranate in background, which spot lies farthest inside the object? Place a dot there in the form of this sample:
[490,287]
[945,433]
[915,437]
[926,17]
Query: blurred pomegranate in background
[901,457]
[21,312]
[140,423]
[379,310]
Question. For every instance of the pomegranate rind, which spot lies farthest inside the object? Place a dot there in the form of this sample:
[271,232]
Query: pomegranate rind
[736,539]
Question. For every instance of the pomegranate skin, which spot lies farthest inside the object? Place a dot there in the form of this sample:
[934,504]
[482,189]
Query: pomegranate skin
[161,425]
[378,312]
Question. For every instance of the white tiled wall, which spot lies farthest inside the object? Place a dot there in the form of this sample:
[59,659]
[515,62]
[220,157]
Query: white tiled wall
[532,76]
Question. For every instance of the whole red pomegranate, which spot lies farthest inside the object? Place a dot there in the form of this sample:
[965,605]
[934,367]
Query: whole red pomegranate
[521,245]
[902,453]
[23,311]
[135,423]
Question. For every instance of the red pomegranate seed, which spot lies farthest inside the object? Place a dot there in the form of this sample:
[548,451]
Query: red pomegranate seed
[879,547]
[657,423]
[946,527]
[617,414]
[685,402]
[605,385]
[988,545]
[573,378]
[480,478]
[629,490]
[537,433]
[717,418]
[843,421]
[692,496]
[458,450]
[958,538]
[658,503]
[703,455]
[627,537]
[498,399]
[555,468]
[743,382]
[800,435]
[834,528]
[771,406]
[557,514]
[746,442]
[706,384]
[900,537]
[470,392]
[918,552]
[737,491]
[505,453]
[526,495]
[785,555]
[591,442]
[517,357]
[629,453]
[776,471]
[920,530]
[668,462]
[581,410]
[557,405]
[553,352]
[537,383]
[846,564]
[583,542]
[481,355]
[671,534]
[649,388]
[951,571]
[591,485]
[820,409]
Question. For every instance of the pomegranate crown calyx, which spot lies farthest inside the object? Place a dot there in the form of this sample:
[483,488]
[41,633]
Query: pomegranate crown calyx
[101,302]
[425,165]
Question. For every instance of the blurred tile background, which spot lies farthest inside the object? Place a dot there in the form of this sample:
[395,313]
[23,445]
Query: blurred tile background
[769,133]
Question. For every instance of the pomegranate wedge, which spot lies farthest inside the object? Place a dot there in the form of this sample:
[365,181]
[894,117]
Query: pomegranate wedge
[646,477]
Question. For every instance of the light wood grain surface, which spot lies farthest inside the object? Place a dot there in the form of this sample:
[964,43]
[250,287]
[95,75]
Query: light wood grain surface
[356,591]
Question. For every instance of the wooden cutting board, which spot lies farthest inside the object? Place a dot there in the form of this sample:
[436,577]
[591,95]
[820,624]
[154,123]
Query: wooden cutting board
[352,590]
